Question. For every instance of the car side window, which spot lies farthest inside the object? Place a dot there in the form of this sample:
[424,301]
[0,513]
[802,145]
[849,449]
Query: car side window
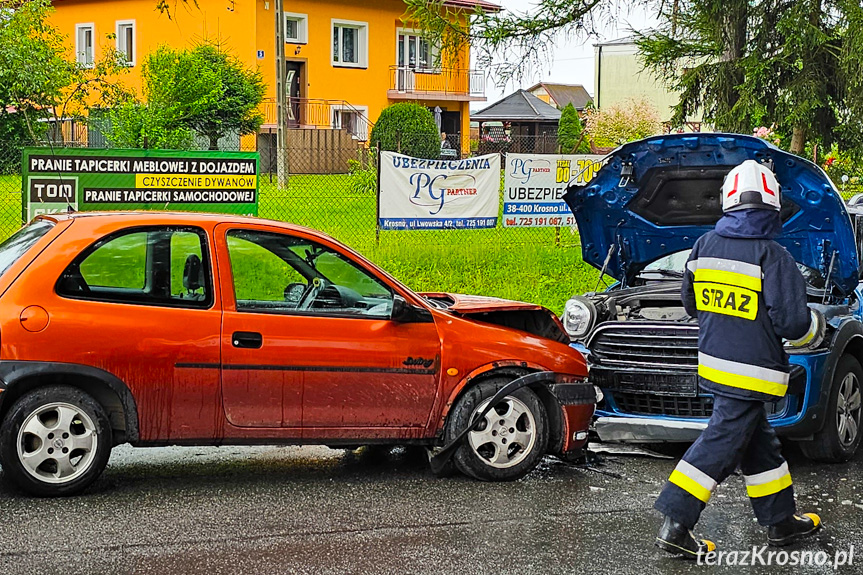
[280,273]
[167,266]
[121,263]
[259,274]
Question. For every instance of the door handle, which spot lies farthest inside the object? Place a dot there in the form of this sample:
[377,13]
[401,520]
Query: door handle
[247,339]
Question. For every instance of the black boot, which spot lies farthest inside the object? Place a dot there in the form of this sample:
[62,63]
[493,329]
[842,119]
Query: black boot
[677,539]
[793,529]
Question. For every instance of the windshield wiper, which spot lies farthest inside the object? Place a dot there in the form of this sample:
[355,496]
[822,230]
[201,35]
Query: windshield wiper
[663,272]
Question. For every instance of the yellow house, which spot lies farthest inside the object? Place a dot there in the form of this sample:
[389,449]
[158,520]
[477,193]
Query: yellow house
[346,60]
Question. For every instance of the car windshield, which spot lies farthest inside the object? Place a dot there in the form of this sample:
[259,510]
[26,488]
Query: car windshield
[670,265]
[673,265]
[18,243]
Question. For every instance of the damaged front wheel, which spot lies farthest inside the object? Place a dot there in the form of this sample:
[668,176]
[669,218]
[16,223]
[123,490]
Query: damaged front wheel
[510,440]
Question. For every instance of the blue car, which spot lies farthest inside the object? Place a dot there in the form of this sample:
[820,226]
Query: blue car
[638,219]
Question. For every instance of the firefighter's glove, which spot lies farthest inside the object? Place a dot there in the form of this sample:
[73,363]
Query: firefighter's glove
[815,335]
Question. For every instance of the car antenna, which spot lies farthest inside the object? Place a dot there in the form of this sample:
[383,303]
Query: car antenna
[70,209]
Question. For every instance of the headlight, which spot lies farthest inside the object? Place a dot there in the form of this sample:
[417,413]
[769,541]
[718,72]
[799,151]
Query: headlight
[578,316]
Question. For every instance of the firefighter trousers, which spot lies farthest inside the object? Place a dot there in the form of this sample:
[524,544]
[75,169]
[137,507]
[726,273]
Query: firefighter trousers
[737,435]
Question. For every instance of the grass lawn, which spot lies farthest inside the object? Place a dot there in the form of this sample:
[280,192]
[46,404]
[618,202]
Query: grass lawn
[529,264]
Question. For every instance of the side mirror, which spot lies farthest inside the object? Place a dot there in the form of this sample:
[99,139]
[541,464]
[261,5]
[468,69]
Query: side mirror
[403,312]
[401,309]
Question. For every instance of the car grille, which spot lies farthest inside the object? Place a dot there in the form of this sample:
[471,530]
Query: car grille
[647,346]
[647,404]
[654,363]
[651,369]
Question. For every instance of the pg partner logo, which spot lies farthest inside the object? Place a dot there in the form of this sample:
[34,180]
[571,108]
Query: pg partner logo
[523,168]
[433,192]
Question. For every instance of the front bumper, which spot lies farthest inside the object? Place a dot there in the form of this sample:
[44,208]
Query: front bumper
[578,404]
[647,430]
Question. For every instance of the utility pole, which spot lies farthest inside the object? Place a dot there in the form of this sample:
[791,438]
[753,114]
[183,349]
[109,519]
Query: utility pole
[281,97]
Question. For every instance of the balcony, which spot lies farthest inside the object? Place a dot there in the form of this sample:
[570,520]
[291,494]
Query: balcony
[318,114]
[458,84]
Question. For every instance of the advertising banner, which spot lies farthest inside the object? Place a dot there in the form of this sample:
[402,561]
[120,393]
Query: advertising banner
[438,194]
[534,185]
[55,180]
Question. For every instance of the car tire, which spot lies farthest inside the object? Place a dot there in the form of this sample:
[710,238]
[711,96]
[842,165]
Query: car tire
[55,441]
[839,438]
[511,441]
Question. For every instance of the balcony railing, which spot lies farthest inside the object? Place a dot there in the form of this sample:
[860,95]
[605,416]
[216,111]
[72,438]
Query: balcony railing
[318,113]
[453,82]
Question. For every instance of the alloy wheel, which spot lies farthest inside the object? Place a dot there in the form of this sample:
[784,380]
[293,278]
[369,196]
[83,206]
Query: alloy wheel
[506,436]
[57,443]
[848,409]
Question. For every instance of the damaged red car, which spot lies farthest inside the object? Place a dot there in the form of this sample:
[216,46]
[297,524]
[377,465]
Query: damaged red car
[195,329]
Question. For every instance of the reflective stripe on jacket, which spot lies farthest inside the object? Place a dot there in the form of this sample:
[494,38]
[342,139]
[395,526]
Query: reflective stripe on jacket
[748,295]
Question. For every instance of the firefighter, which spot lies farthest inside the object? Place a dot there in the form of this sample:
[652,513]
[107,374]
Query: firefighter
[748,295]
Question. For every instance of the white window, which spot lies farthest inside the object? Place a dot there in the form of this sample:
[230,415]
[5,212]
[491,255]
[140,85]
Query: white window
[84,34]
[350,44]
[296,28]
[414,52]
[126,40]
[353,119]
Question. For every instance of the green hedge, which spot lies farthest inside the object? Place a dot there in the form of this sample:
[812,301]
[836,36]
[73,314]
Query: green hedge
[409,129]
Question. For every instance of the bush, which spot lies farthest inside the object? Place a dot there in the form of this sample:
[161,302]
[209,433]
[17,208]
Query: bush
[364,176]
[569,132]
[133,125]
[838,163]
[409,129]
[14,135]
[623,122]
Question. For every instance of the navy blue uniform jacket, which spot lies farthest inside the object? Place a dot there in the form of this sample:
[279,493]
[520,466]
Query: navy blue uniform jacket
[747,293]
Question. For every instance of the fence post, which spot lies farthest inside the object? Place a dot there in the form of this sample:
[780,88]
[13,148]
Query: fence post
[378,199]
[273,158]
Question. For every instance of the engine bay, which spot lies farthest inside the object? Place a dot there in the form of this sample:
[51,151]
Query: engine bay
[659,301]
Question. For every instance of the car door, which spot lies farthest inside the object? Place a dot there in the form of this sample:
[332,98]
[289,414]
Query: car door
[308,341]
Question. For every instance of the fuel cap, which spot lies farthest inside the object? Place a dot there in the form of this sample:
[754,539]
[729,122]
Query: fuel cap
[34,318]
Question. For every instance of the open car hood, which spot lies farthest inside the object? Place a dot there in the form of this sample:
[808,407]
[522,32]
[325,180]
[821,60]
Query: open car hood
[657,196]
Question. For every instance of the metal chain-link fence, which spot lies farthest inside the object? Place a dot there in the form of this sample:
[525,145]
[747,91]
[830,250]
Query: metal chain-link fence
[327,181]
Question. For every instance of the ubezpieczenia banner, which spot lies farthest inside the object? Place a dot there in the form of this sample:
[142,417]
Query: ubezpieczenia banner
[438,194]
[534,185]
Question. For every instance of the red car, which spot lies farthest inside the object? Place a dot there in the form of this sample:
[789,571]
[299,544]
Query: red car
[198,329]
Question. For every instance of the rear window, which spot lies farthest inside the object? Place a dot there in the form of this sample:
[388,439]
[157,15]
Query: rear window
[18,243]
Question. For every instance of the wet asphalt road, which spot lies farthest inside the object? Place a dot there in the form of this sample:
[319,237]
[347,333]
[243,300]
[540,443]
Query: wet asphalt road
[236,510]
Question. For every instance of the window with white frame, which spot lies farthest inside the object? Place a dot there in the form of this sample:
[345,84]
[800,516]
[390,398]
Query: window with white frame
[126,40]
[415,52]
[84,35]
[350,44]
[352,119]
[296,28]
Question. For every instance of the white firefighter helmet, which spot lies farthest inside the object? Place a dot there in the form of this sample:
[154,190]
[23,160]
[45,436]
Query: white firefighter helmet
[750,185]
